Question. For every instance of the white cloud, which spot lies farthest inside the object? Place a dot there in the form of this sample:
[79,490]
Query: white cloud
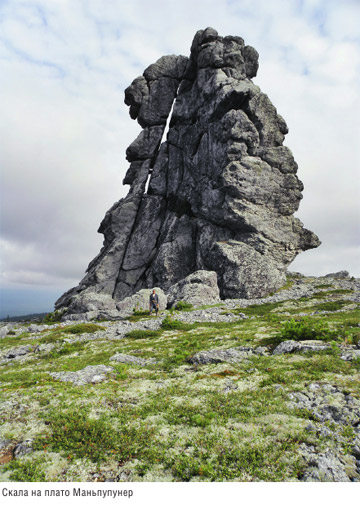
[64,127]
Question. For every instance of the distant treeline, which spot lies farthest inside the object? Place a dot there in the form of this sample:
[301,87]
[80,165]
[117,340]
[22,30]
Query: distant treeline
[24,318]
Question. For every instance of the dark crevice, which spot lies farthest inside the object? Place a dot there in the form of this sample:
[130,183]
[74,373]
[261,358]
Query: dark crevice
[235,100]
[196,148]
[179,206]
[125,250]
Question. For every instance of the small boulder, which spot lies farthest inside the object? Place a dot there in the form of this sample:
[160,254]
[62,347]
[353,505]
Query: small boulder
[236,354]
[131,359]
[140,301]
[338,275]
[18,352]
[91,301]
[286,347]
[23,448]
[325,467]
[197,289]
[350,355]
[90,374]
[4,330]
[37,328]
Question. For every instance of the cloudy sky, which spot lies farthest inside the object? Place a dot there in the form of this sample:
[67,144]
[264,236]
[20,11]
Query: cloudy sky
[64,127]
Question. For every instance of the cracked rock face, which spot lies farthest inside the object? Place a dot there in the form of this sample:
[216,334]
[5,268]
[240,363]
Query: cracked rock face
[222,189]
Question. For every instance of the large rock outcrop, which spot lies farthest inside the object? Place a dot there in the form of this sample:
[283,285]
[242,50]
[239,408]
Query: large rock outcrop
[218,195]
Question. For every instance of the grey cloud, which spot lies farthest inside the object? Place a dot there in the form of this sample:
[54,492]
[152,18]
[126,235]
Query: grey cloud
[64,134]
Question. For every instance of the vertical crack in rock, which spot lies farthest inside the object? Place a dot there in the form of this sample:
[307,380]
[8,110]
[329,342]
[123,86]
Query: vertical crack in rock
[218,195]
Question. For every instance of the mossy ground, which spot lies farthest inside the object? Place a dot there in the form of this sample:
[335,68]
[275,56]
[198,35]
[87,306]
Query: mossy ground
[172,421]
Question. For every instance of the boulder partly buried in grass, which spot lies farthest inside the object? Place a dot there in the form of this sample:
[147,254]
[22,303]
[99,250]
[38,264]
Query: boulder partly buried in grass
[131,359]
[88,375]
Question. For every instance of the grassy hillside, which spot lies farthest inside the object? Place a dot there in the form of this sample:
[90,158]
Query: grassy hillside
[169,413]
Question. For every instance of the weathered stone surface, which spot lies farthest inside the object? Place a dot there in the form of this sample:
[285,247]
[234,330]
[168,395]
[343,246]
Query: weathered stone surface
[223,189]
[350,355]
[91,301]
[46,348]
[18,352]
[236,354]
[329,404]
[291,346]
[90,374]
[131,359]
[4,443]
[198,288]
[140,301]
[4,330]
[23,448]
[286,347]
[323,467]
[339,275]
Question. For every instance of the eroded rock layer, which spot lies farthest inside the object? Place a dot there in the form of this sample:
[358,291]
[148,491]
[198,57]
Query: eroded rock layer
[222,191]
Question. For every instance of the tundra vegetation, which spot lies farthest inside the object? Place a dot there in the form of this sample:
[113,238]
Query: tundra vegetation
[170,419]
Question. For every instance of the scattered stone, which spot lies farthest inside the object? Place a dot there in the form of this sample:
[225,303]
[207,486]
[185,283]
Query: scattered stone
[4,330]
[45,348]
[291,346]
[90,374]
[40,328]
[342,274]
[356,451]
[209,315]
[4,443]
[12,329]
[230,386]
[350,355]
[131,359]
[236,354]
[23,448]
[286,347]
[324,467]
[18,352]
[199,288]
[328,404]
[261,350]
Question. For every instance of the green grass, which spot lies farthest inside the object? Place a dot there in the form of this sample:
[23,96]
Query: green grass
[65,349]
[216,459]
[331,292]
[331,306]
[15,379]
[170,323]
[172,420]
[82,328]
[54,317]
[138,315]
[183,306]
[306,329]
[259,309]
[95,439]
[23,470]
[143,334]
